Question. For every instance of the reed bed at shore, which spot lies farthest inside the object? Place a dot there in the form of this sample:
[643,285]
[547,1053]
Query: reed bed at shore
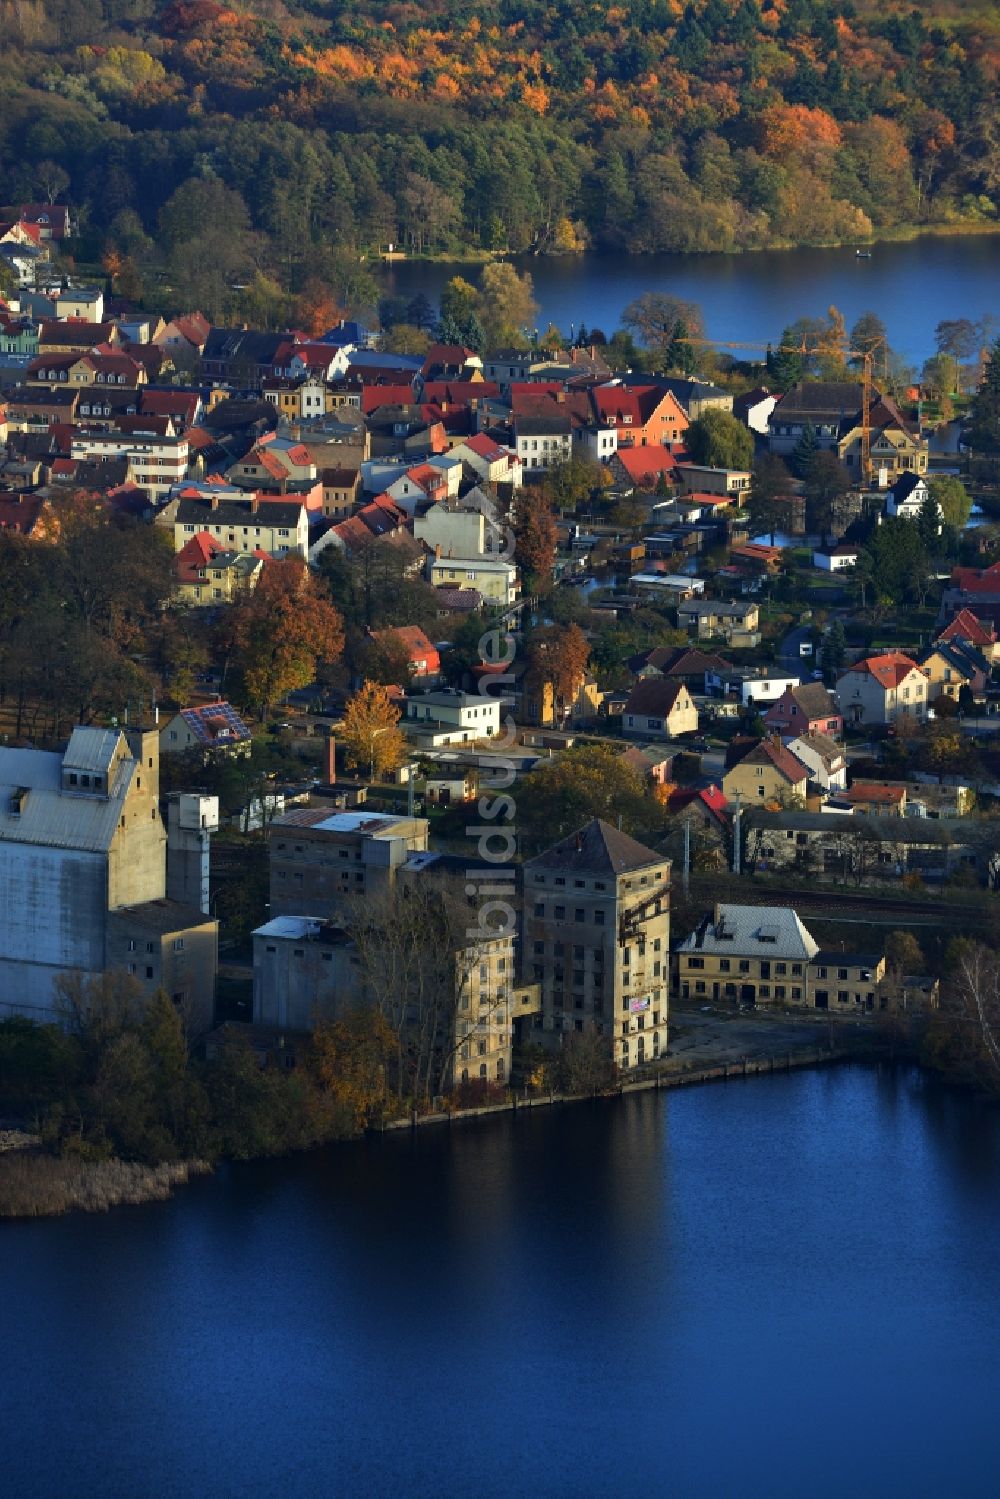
[35,1185]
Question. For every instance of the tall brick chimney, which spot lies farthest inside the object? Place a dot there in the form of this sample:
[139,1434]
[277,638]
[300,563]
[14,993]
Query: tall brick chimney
[331,760]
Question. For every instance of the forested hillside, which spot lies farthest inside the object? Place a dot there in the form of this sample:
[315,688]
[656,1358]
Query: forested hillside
[448,124]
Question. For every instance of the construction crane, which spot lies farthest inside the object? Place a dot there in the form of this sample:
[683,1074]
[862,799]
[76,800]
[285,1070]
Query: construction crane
[867,357]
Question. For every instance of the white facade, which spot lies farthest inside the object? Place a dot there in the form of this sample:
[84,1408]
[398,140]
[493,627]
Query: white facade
[451,717]
[155,463]
[837,560]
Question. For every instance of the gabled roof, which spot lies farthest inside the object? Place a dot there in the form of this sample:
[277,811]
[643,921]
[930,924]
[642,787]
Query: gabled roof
[642,464]
[655,695]
[829,751]
[767,931]
[812,700]
[597,848]
[770,752]
[965,626]
[888,670]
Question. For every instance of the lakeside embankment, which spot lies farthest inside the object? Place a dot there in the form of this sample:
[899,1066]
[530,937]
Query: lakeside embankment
[707,1045]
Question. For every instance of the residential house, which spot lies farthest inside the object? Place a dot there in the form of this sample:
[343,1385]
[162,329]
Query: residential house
[731,484]
[423,656]
[341,491]
[495,580]
[156,462]
[981,634]
[906,496]
[643,468]
[806,709]
[874,799]
[542,442]
[837,559]
[596,937]
[216,729]
[433,719]
[881,689]
[208,575]
[251,524]
[490,461]
[86,302]
[733,620]
[765,773]
[660,707]
[693,396]
[754,409]
[823,758]
[641,415]
[950,665]
[454,528]
[681,663]
[277,464]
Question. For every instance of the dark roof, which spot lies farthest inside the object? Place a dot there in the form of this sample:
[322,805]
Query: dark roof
[831,958]
[164,916]
[597,849]
[823,399]
[656,695]
[230,344]
[543,426]
[240,513]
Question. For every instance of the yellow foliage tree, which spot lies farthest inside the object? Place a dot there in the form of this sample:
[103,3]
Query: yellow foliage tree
[370,730]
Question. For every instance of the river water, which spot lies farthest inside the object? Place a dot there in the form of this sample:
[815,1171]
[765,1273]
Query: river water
[912,285]
[786,1286]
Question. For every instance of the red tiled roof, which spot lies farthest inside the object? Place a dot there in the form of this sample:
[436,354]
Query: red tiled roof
[646,463]
[965,626]
[888,670]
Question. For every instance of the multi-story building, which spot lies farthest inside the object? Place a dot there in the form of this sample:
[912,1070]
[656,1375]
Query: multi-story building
[83,870]
[322,860]
[278,527]
[596,937]
[156,463]
[882,689]
[494,579]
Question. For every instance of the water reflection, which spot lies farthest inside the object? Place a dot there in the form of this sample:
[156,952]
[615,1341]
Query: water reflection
[778,1287]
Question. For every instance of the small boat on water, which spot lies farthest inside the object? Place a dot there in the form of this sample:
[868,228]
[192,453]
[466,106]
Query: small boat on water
[863,254]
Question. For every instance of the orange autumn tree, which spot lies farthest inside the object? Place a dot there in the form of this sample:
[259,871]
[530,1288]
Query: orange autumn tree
[282,631]
[370,731]
[557,657]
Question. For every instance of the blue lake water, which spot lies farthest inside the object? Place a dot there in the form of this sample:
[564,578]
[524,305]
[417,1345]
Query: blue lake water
[781,1287]
[912,286]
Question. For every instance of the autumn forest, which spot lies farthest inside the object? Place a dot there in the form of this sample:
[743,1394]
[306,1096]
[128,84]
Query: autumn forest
[280,139]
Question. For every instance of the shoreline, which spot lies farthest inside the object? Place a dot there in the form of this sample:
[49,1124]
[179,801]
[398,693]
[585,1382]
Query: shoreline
[897,234]
[706,1047]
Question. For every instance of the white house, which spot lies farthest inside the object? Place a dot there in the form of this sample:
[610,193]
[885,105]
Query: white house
[450,717]
[489,461]
[823,758]
[882,689]
[907,496]
[837,559]
[156,463]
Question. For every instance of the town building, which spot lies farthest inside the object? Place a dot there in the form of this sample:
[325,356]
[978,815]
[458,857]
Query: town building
[764,955]
[596,937]
[882,689]
[735,620]
[660,707]
[216,729]
[83,869]
[432,719]
[806,709]
[321,860]
[766,772]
